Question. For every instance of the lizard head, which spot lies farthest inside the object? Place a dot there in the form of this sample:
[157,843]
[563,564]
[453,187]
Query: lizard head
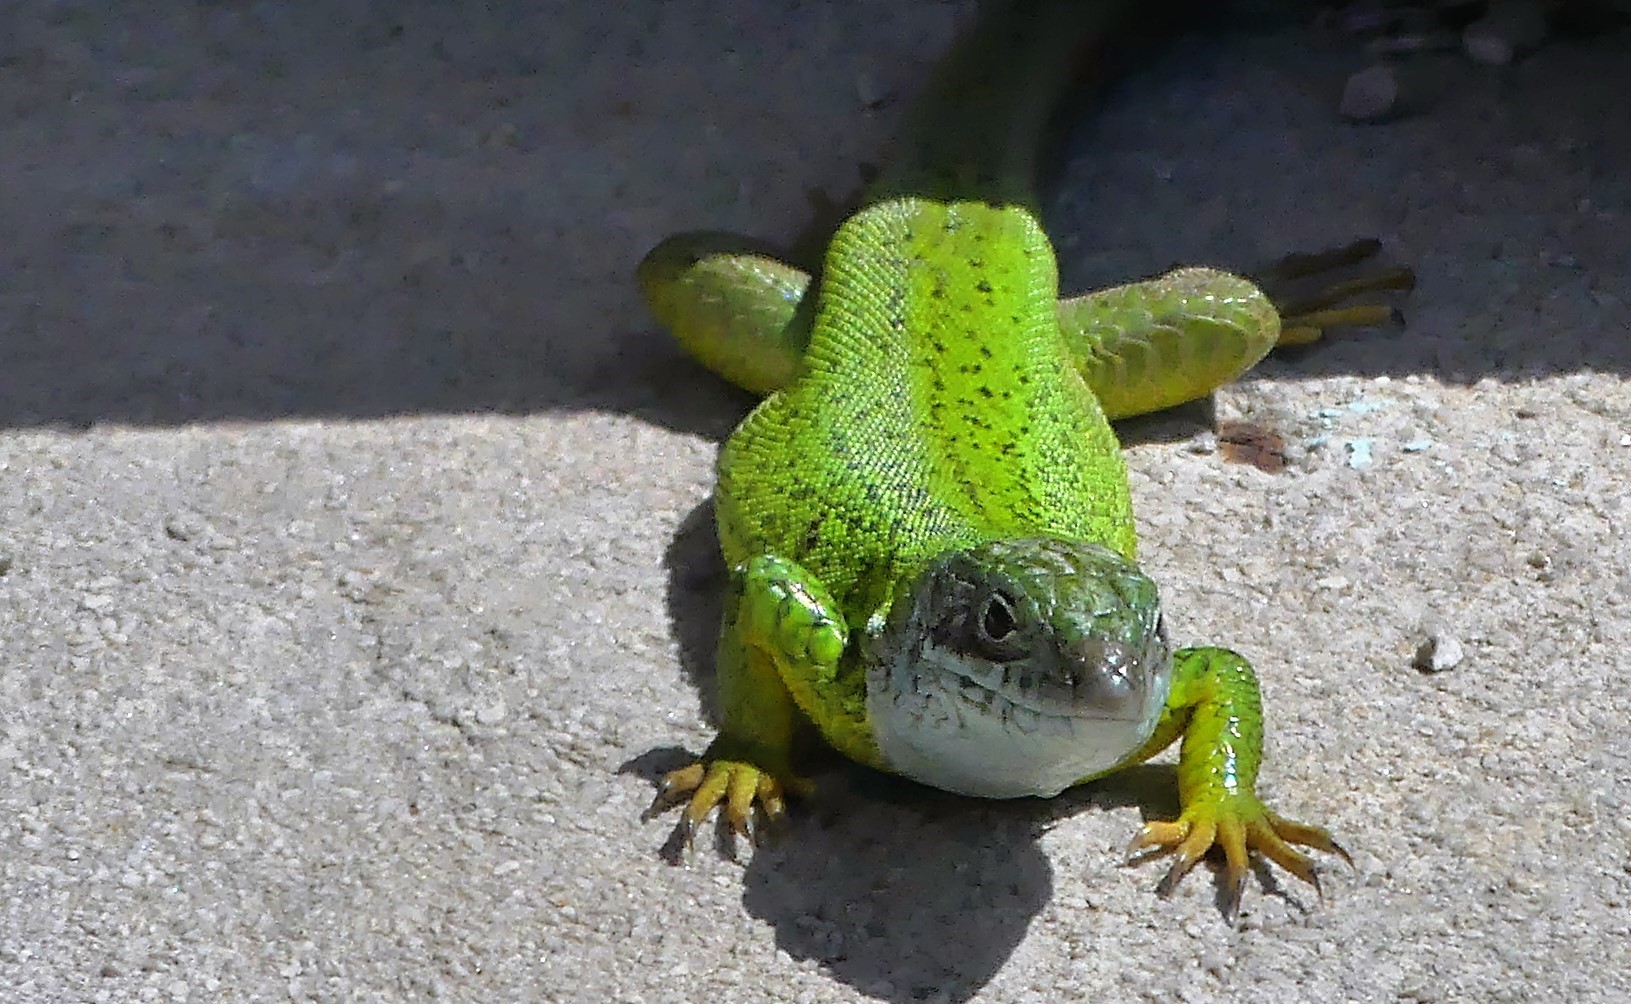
[1018,667]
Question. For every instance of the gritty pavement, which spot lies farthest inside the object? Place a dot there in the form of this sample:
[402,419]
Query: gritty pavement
[357,577]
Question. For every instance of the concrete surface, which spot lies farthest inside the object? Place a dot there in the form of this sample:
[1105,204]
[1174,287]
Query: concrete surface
[356,575]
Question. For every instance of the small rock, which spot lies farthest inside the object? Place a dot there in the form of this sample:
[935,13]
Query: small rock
[1399,45]
[867,91]
[184,526]
[1510,29]
[1438,653]
[1370,95]
[1359,452]
[1365,17]
[1491,50]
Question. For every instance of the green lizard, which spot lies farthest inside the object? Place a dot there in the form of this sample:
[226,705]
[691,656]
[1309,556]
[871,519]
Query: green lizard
[928,520]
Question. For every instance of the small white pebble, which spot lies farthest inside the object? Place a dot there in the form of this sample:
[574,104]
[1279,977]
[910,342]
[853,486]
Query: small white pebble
[1438,653]
[1413,42]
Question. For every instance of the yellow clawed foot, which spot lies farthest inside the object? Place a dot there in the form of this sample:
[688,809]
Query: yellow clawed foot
[1239,826]
[736,785]
[1305,319]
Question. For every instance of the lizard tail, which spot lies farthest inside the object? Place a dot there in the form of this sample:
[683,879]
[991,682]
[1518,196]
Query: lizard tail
[976,130]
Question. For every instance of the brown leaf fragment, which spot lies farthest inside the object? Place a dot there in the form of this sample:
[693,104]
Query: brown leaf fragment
[1245,443]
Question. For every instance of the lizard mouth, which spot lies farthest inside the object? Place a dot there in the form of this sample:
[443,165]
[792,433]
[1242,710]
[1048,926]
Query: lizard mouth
[1010,709]
[1097,687]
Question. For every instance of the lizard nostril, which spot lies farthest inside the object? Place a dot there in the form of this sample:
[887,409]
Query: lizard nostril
[1099,674]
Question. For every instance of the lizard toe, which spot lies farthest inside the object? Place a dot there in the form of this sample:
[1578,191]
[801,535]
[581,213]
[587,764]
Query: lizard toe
[1238,827]
[744,793]
[1305,319]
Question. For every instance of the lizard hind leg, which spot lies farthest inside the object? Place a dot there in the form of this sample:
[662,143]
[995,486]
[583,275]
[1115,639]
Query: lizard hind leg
[732,304]
[1153,344]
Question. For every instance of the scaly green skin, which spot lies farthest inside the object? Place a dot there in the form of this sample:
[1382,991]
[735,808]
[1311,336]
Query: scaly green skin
[928,519]
[1141,347]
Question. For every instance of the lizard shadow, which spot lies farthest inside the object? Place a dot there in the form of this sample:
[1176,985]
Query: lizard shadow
[902,892]
[899,891]
[906,893]
[696,588]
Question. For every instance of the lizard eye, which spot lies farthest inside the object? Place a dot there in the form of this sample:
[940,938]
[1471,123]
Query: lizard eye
[997,621]
[975,617]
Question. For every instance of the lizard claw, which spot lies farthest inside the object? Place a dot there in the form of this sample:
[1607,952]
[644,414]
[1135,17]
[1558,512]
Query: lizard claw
[1238,827]
[1305,319]
[672,788]
[736,787]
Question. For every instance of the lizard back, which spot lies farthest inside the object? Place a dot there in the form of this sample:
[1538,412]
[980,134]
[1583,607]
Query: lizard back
[936,408]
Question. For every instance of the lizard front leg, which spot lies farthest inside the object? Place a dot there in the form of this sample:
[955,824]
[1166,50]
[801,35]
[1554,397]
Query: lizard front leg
[1214,705]
[781,644]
